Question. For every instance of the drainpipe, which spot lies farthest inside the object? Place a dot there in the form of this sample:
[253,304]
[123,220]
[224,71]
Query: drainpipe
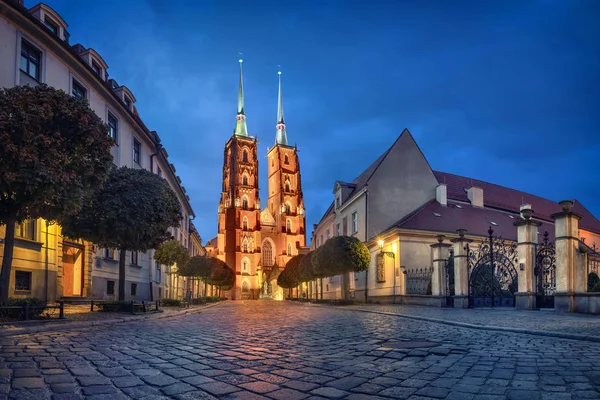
[366,236]
[158,149]
[46,278]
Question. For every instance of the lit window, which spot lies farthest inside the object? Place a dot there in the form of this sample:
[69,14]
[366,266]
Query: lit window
[245,246]
[354,222]
[30,60]
[51,25]
[113,127]
[136,151]
[245,223]
[78,90]
[22,280]
[288,208]
[289,249]
[26,229]
[288,226]
[245,203]
[245,266]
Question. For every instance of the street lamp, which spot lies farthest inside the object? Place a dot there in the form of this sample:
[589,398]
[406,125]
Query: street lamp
[393,255]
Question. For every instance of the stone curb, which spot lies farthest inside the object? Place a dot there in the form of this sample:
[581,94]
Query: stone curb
[572,336]
[58,325]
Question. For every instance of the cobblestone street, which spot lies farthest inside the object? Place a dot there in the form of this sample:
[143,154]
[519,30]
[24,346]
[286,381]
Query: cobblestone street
[279,350]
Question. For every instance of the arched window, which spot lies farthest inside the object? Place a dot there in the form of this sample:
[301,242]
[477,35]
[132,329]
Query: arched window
[289,252]
[287,186]
[286,159]
[245,155]
[288,226]
[245,245]
[245,223]
[288,208]
[245,180]
[245,203]
[245,286]
[245,266]
[267,253]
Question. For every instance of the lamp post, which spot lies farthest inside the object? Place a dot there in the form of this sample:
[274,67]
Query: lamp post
[393,256]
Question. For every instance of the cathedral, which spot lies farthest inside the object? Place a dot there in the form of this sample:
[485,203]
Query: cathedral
[257,243]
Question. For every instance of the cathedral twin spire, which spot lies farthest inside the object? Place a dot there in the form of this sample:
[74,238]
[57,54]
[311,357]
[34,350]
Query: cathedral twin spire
[240,126]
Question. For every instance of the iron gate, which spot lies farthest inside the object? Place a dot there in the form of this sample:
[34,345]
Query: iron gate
[493,278]
[545,273]
[450,280]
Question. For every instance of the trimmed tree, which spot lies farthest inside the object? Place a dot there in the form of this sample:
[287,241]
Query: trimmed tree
[131,212]
[199,267]
[340,255]
[54,150]
[172,252]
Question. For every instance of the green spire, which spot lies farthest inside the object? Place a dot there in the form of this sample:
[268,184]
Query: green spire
[281,135]
[240,125]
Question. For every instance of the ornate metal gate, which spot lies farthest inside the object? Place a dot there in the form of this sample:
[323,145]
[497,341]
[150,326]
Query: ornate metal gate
[545,273]
[450,280]
[493,278]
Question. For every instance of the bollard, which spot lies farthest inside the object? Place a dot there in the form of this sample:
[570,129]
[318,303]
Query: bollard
[25,311]
[92,306]
[61,314]
[143,306]
[157,304]
[132,309]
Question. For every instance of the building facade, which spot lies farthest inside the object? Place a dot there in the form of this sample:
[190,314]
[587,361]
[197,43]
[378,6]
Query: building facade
[36,49]
[399,206]
[258,243]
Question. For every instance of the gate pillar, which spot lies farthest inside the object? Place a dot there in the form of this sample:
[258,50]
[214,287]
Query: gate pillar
[439,253]
[461,270]
[527,239]
[570,271]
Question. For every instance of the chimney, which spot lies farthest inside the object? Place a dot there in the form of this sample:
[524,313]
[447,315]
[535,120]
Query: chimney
[475,195]
[441,194]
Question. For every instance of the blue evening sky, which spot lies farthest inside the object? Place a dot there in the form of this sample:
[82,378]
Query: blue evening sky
[503,91]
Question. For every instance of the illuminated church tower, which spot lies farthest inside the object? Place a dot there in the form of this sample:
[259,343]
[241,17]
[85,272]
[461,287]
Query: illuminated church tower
[252,242]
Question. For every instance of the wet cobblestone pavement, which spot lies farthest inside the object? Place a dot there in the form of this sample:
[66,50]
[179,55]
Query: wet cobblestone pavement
[580,324]
[280,350]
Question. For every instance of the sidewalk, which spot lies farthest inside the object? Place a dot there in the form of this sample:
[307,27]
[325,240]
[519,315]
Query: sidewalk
[80,316]
[544,323]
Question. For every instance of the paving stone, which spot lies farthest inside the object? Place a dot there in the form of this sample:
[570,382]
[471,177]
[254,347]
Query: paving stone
[287,394]
[177,388]
[195,395]
[259,387]
[346,383]
[93,380]
[218,388]
[300,385]
[59,379]
[398,392]
[98,389]
[63,388]
[28,383]
[127,381]
[159,380]
[329,392]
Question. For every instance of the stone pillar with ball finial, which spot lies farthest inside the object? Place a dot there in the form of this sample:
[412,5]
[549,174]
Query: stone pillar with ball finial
[439,253]
[527,238]
[461,269]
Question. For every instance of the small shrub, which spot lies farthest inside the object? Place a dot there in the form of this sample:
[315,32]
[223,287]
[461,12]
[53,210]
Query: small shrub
[18,313]
[115,306]
[593,280]
[595,288]
[172,302]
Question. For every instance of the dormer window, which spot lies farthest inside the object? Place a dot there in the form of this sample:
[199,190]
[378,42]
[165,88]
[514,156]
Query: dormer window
[97,69]
[51,25]
[338,202]
[127,102]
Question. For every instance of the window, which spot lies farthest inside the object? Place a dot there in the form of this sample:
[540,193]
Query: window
[288,226]
[289,249]
[245,156]
[267,254]
[245,287]
[158,273]
[30,60]
[245,223]
[96,68]
[287,186]
[109,253]
[245,266]
[321,239]
[345,226]
[134,289]
[245,203]
[159,171]
[22,280]
[113,127]
[245,245]
[127,102]
[354,222]
[288,208]
[110,287]
[51,25]
[328,234]
[338,232]
[136,151]
[338,202]
[134,258]
[245,180]
[78,90]
[286,159]
[26,229]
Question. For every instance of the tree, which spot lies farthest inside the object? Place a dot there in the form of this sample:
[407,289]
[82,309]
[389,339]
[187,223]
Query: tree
[221,275]
[340,255]
[54,150]
[172,252]
[132,211]
[199,267]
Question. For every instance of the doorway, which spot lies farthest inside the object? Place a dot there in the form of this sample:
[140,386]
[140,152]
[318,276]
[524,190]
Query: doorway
[72,270]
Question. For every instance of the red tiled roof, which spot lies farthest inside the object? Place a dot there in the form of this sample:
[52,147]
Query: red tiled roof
[503,198]
[475,220]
